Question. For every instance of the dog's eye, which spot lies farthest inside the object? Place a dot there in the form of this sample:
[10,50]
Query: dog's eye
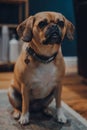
[60,23]
[42,24]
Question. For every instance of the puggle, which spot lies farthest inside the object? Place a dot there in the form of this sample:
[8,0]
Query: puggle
[40,68]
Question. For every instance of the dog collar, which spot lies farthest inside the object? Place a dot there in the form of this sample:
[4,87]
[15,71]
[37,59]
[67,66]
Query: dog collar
[40,58]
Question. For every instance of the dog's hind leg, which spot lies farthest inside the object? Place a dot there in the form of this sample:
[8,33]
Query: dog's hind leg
[15,100]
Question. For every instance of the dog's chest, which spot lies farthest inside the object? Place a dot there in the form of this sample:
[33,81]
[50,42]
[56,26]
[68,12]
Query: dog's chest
[44,80]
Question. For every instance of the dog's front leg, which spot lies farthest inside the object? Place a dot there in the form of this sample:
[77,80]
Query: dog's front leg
[24,119]
[60,115]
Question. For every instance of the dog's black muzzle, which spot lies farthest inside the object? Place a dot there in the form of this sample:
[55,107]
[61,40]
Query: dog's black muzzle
[53,35]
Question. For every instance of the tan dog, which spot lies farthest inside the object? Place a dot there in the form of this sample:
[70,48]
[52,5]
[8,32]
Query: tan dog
[40,67]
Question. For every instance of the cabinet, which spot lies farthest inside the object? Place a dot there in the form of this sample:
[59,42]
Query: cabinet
[20,10]
[81,22]
[23,10]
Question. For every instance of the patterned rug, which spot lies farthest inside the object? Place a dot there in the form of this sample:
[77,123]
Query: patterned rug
[39,121]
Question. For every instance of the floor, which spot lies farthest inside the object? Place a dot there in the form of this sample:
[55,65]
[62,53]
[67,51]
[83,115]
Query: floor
[74,91]
[38,120]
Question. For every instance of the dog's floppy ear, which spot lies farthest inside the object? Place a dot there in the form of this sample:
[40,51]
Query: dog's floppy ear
[69,30]
[24,29]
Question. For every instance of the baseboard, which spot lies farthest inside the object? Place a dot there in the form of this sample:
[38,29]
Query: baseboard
[71,64]
[70,61]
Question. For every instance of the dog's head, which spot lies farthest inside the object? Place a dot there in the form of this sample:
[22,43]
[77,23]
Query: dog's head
[46,28]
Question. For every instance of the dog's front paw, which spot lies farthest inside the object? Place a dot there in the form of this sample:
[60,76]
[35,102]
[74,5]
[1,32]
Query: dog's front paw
[24,119]
[60,116]
[16,114]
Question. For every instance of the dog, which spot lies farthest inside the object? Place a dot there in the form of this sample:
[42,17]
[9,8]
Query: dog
[40,68]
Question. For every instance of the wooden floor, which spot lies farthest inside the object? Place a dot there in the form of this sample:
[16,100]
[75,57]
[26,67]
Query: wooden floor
[75,94]
[74,91]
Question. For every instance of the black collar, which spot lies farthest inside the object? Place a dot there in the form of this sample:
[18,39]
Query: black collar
[40,58]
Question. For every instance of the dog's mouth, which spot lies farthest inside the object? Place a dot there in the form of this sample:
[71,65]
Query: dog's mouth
[53,39]
[53,35]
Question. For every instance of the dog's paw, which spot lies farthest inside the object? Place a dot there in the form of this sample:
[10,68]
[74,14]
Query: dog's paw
[16,114]
[60,116]
[24,119]
[47,112]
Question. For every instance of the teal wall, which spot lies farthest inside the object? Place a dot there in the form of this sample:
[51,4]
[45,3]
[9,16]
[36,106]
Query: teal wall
[69,48]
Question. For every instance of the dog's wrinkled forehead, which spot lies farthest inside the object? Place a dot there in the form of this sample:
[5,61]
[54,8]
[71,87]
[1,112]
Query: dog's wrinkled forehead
[49,16]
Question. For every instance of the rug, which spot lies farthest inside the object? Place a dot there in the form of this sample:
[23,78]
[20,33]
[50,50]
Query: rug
[39,121]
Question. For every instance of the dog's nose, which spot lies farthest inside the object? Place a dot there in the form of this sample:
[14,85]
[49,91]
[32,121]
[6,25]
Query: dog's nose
[54,27]
[53,35]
